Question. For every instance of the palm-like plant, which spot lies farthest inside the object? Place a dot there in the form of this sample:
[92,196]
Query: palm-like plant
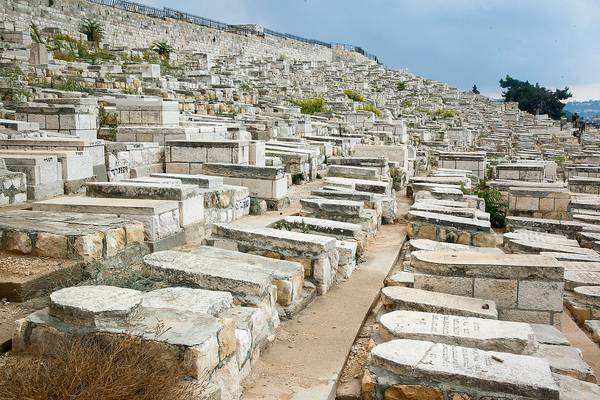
[93,30]
[36,36]
[162,48]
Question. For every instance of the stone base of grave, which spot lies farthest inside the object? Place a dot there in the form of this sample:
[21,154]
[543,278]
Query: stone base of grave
[45,191]
[413,369]
[76,186]
[277,204]
[68,235]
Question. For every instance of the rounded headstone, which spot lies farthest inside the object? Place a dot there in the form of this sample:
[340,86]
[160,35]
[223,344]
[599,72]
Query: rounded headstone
[186,299]
[588,295]
[87,305]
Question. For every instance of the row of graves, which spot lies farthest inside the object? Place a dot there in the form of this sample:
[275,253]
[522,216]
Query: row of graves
[166,201]
[471,313]
[468,314]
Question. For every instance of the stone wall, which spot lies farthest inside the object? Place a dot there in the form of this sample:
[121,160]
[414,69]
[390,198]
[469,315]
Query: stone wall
[139,31]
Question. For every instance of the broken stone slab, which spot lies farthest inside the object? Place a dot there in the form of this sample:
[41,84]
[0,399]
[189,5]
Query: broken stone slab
[572,257]
[548,334]
[68,235]
[436,370]
[189,197]
[160,217]
[581,266]
[195,300]
[402,298]
[199,345]
[588,295]
[346,171]
[509,266]
[449,228]
[575,279]
[554,226]
[287,276]
[318,254]
[402,278]
[88,305]
[575,389]
[432,245]
[566,360]
[533,236]
[593,327]
[484,334]
[456,211]
[521,246]
[361,185]
[267,183]
[203,181]
[337,229]
[341,210]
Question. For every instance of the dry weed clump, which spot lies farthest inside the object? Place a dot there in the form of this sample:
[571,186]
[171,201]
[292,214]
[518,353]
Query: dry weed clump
[94,368]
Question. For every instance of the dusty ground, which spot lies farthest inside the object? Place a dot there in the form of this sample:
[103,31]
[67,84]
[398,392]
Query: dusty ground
[14,266]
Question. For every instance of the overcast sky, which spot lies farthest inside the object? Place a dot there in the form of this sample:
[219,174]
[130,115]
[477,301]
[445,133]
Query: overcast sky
[462,42]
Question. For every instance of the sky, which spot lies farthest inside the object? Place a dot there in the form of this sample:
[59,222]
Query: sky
[461,42]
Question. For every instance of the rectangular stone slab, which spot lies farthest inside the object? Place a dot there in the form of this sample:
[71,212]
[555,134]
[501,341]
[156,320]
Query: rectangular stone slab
[288,276]
[101,205]
[402,298]
[509,266]
[484,334]
[469,369]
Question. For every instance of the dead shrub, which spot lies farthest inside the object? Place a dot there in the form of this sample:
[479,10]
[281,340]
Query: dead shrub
[94,368]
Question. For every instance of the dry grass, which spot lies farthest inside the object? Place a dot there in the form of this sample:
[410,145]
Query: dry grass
[93,368]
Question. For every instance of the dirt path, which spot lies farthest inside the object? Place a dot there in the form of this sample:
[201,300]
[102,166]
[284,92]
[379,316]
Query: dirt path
[309,353]
[579,339]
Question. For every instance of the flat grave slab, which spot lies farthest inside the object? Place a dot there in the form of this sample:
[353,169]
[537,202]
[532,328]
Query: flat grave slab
[453,369]
[402,298]
[484,334]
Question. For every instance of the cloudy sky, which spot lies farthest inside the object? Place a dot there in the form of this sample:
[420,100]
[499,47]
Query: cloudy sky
[462,42]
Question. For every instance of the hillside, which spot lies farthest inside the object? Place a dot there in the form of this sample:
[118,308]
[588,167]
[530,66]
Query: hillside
[587,109]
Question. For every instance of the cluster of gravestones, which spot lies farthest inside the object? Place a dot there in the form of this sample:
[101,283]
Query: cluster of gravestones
[164,180]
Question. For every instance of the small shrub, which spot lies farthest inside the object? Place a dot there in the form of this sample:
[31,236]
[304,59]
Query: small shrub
[311,106]
[370,107]
[494,203]
[93,30]
[407,103]
[396,178]
[163,49]
[354,95]
[92,368]
[401,86]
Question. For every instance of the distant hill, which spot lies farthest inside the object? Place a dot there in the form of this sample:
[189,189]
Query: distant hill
[586,109]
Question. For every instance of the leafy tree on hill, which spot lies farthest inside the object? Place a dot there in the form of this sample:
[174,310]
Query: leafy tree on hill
[535,99]
[475,90]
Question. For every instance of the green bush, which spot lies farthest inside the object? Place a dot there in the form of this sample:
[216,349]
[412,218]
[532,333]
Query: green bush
[494,203]
[401,86]
[354,95]
[407,103]
[370,107]
[311,105]
[93,30]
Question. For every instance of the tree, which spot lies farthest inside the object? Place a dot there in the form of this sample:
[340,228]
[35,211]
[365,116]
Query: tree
[475,90]
[163,49]
[535,99]
[93,30]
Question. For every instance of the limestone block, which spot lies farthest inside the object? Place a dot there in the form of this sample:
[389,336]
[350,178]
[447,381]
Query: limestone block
[51,245]
[88,305]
